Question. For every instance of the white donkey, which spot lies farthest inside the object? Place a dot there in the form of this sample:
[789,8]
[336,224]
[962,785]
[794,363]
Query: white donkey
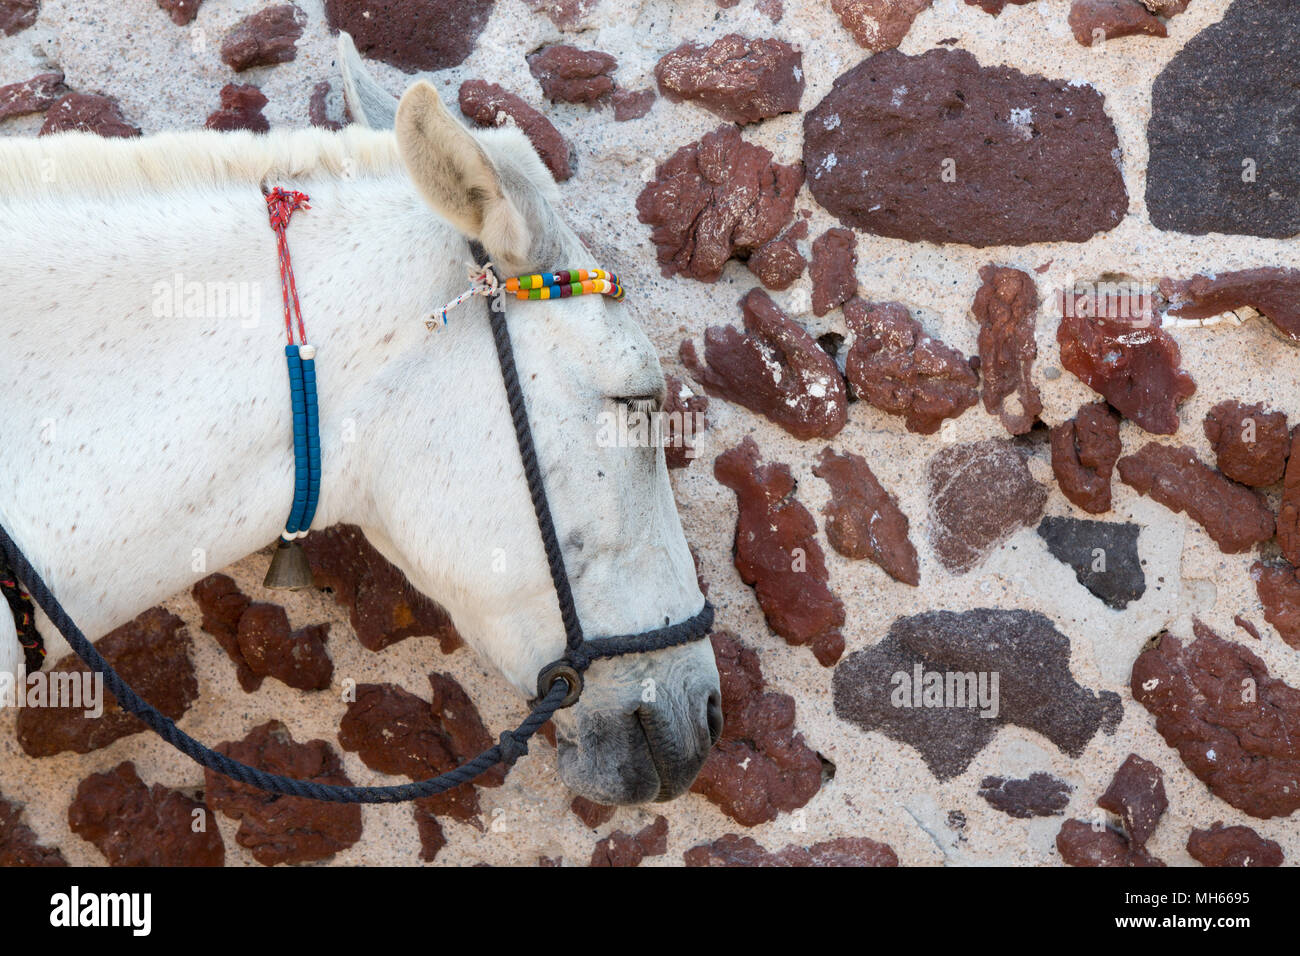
[140,428]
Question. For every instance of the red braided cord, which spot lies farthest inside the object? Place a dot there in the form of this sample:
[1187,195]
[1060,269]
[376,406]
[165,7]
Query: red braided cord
[281,204]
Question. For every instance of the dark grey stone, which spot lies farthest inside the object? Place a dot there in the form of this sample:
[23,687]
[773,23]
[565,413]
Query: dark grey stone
[1075,541]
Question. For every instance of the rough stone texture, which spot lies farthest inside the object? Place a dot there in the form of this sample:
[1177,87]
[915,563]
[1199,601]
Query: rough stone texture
[715,198]
[1288,517]
[382,606]
[570,75]
[1005,307]
[1035,687]
[1040,795]
[1137,796]
[1208,116]
[264,38]
[412,35]
[1103,554]
[878,25]
[31,96]
[980,494]
[488,104]
[592,814]
[896,123]
[18,843]
[1273,291]
[1135,367]
[685,413]
[895,366]
[1084,452]
[629,849]
[1278,588]
[152,654]
[17,15]
[241,108]
[774,368]
[181,11]
[279,829]
[631,104]
[136,825]
[1110,19]
[297,658]
[995,7]
[832,269]
[1250,444]
[777,554]
[863,520]
[742,80]
[733,849]
[1236,517]
[89,113]
[761,767]
[1232,846]
[1235,726]
[1246,626]
[1080,844]
[318,110]
[779,263]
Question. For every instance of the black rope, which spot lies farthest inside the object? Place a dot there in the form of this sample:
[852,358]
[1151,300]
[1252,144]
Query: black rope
[24,615]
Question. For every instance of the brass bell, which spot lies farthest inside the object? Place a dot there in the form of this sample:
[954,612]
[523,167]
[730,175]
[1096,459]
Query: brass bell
[289,570]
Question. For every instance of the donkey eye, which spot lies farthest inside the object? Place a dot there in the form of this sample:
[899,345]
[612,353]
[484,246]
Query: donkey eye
[644,404]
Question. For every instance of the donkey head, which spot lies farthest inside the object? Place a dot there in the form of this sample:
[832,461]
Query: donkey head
[645,722]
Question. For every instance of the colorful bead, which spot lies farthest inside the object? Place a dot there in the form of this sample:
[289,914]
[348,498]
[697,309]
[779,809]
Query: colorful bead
[564,284]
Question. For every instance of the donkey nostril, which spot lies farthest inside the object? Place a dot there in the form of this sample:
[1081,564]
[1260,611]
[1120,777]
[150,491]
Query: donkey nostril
[715,718]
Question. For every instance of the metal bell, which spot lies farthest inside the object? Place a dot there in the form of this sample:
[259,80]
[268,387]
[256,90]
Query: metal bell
[289,570]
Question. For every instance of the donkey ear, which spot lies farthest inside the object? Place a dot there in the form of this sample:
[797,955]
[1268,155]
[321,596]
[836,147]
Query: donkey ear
[456,176]
[368,102]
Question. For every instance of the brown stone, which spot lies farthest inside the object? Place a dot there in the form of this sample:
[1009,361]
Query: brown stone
[774,368]
[31,96]
[834,256]
[1005,307]
[1232,846]
[181,11]
[296,658]
[878,25]
[742,80]
[631,104]
[1137,796]
[1081,844]
[863,520]
[1279,591]
[779,263]
[713,199]
[264,38]
[17,15]
[1236,517]
[1250,444]
[685,414]
[18,842]
[733,849]
[1109,19]
[489,105]
[318,109]
[1288,518]
[995,7]
[412,35]
[570,75]
[592,814]
[241,108]
[1040,795]
[1084,452]
[1273,291]
[87,113]
[624,849]
[777,554]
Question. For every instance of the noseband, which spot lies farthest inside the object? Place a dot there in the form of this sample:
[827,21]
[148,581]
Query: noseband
[559,683]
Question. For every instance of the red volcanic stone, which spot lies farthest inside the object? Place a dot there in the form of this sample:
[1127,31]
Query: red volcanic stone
[1040,795]
[1234,516]
[624,849]
[863,520]
[18,844]
[774,10]
[777,554]
[878,25]
[297,658]
[566,14]
[412,35]
[1084,452]
[1005,306]
[630,105]
[995,7]
[1137,796]
[715,198]
[264,38]
[592,814]
[87,113]
[834,256]
[779,263]
[1080,844]
[742,80]
[222,605]
[895,366]
[774,368]
[570,75]
[241,108]
[1273,291]
[382,606]
[1288,518]
[939,148]
[1235,727]
[31,96]
[761,766]
[1232,846]
[1250,444]
[736,850]
[17,15]
[489,105]
[1279,591]
[684,411]
[151,653]
[318,110]
[1108,19]
[980,494]
[181,11]
[1133,365]
[136,825]
[1246,626]
[281,829]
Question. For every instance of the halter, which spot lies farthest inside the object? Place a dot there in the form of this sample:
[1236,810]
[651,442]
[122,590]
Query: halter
[559,683]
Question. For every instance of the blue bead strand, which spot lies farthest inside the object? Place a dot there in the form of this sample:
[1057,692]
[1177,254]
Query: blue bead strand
[313,439]
[301,478]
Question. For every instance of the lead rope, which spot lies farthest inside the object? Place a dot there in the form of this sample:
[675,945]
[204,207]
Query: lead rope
[20,606]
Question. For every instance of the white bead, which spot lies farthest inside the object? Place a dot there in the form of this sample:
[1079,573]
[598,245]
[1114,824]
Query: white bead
[306,351]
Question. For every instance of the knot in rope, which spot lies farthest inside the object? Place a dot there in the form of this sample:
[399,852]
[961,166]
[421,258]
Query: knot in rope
[282,203]
[482,281]
[513,746]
